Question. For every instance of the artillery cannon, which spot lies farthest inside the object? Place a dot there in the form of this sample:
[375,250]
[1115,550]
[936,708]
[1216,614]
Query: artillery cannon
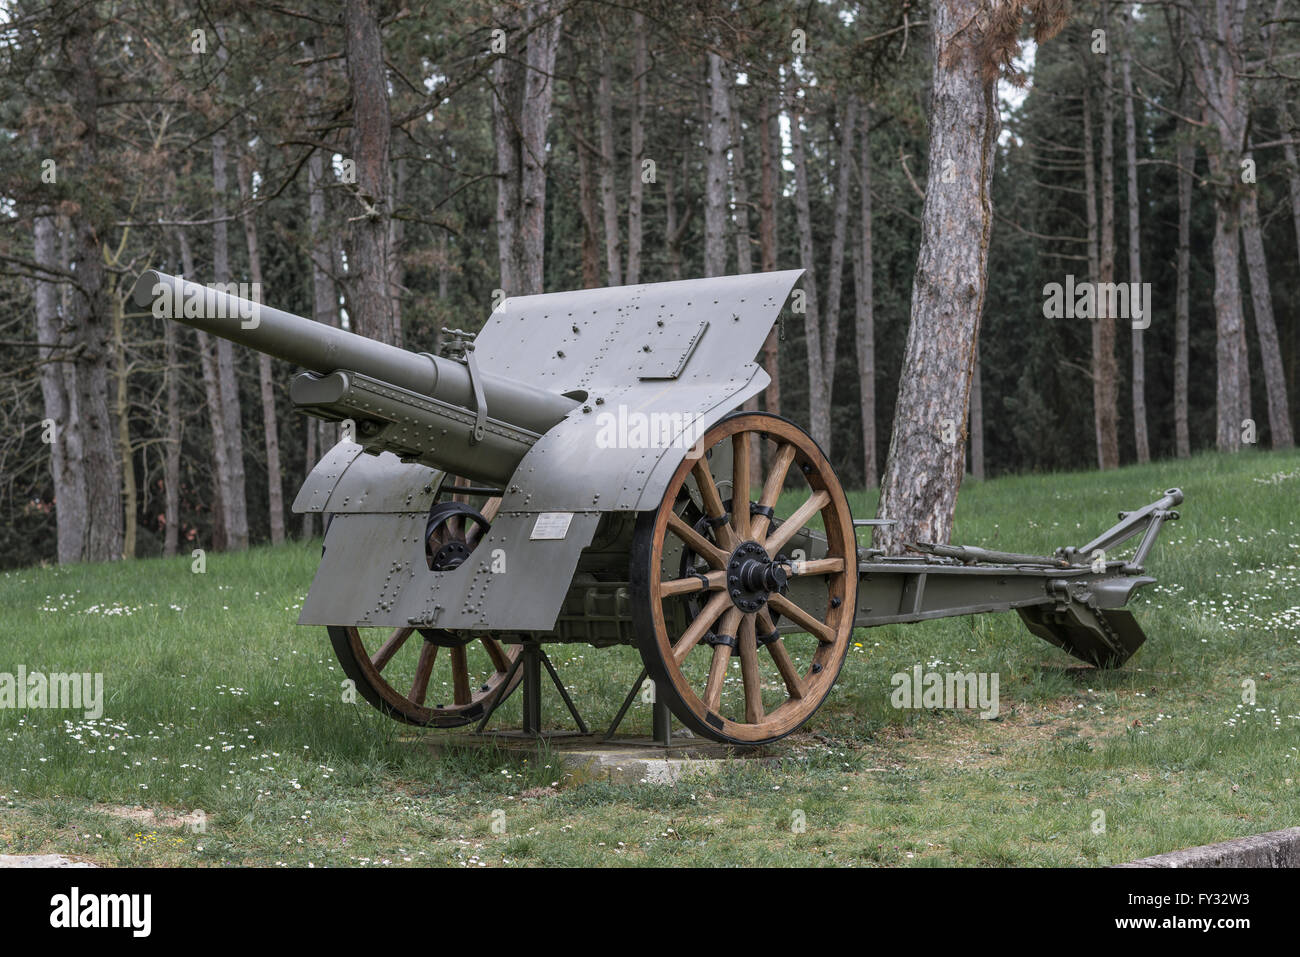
[580,472]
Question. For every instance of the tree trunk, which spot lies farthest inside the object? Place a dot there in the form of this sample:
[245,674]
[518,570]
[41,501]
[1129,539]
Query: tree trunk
[1219,67]
[172,456]
[1227,309]
[396,239]
[740,190]
[70,507]
[1186,158]
[636,189]
[371,305]
[270,431]
[1140,438]
[74,452]
[835,281]
[89,320]
[587,207]
[672,230]
[1292,172]
[122,416]
[924,467]
[715,180]
[1279,414]
[769,143]
[235,504]
[675,226]
[212,397]
[1105,387]
[507,84]
[864,308]
[521,114]
[819,415]
[1094,274]
[608,197]
[539,90]
[324,259]
[744,254]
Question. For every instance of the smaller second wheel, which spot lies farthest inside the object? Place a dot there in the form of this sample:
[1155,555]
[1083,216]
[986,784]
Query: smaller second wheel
[770,583]
[441,679]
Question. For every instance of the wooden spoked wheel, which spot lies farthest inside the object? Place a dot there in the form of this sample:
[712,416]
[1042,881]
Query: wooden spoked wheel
[714,571]
[427,677]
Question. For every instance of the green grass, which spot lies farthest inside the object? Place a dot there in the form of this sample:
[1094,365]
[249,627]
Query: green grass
[216,702]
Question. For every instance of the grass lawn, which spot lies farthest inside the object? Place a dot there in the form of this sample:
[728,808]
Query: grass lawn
[225,739]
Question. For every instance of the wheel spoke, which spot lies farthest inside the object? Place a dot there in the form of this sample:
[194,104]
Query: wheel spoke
[703,621]
[460,675]
[499,659]
[424,668]
[749,674]
[776,648]
[489,513]
[696,542]
[787,530]
[740,448]
[781,463]
[390,647]
[692,584]
[712,501]
[819,566]
[721,658]
[801,618]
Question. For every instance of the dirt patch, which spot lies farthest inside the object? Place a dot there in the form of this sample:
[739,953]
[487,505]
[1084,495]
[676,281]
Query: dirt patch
[1020,729]
[148,817]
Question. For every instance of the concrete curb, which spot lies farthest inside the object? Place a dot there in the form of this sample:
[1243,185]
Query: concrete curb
[39,860]
[1273,849]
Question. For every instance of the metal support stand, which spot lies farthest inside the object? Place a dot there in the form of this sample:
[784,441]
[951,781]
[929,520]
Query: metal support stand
[663,718]
[532,723]
[531,658]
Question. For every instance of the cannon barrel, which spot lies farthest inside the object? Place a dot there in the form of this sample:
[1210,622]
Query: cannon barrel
[442,412]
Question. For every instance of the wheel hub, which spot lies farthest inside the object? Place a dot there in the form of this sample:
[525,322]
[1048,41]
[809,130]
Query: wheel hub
[752,576]
[449,556]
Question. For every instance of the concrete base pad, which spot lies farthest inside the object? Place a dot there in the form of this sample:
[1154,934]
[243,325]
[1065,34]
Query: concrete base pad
[622,760]
[39,860]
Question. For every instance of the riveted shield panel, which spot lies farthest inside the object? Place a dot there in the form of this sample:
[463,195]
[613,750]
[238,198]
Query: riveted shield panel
[655,366]
[373,572]
[348,480]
